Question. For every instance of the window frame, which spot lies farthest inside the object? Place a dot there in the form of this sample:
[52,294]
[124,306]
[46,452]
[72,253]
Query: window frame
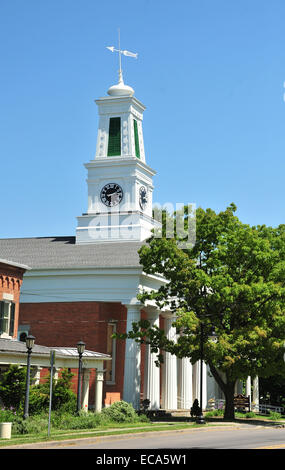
[7,318]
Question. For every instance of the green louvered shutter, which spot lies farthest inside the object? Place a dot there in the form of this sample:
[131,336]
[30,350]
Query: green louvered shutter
[114,143]
[12,319]
[137,144]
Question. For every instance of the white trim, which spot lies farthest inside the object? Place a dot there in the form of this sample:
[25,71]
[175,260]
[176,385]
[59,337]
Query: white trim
[44,360]
[76,285]
[13,263]
[8,296]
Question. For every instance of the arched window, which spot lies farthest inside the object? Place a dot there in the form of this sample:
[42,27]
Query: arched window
[23,336]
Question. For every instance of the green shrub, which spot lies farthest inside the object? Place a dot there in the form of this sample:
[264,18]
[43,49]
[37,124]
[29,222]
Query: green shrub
[20,425]
[63,397]
[120,412]
[38,399]
[7,415]
[36,424]
[250,414]
[217,412]
[85,420]
[13,386]
[273,415]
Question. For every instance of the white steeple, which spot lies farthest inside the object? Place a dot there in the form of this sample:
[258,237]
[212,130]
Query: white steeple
[119,181]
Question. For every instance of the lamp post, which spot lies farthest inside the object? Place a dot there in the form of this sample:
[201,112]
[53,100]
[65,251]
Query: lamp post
[80,349]
[30,341]
[200,418]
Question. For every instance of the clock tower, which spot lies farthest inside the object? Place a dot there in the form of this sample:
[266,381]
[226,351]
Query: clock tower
[119,180]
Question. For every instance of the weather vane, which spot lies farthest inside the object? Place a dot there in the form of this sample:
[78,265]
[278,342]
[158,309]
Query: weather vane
[124,52]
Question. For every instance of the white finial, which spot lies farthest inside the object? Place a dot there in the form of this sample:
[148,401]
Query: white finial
[121,88]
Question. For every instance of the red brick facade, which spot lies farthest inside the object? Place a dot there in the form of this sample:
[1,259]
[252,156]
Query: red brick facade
[11,278]
[65,323]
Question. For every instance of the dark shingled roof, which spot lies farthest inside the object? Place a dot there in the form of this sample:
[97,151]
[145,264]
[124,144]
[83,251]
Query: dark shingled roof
[63,252]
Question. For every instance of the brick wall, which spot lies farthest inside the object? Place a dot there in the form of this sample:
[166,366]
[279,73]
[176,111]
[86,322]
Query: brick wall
[11,278]
[65,323]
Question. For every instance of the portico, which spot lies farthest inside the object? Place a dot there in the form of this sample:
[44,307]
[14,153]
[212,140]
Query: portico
[172,386]
[14,352]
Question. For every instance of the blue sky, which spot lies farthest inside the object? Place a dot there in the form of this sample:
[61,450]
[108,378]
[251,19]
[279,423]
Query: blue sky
[210,72]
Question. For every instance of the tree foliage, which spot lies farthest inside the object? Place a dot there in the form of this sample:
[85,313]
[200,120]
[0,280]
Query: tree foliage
[63,397]
[232,280]
[12,386]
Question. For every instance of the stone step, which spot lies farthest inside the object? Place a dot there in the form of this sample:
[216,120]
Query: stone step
[185,413]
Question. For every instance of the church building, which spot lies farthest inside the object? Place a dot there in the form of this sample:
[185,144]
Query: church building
[85,286]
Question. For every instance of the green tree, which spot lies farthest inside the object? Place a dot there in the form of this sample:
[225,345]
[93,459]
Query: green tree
[231,280]
[63,397]
[272,390]
[12,386]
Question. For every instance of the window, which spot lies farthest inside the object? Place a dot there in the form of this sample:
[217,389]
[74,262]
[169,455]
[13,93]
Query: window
[114,144]
[7,317]
[23,337]
[23,332]
[111,349]
[137,143]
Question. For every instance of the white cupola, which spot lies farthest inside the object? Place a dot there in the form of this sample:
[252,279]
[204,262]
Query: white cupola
[119,181]
[120,89]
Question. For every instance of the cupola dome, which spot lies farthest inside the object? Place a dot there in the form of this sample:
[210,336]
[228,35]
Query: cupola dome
[120,89]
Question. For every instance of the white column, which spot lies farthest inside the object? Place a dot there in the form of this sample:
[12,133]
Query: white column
[151,371]
[197,383]
[238,387]
[184,384]
[248,386]
[85,389]
[205,377]
[99,390]
[169,371]
[131,392]
[56,372]
[255,394]
[35,375]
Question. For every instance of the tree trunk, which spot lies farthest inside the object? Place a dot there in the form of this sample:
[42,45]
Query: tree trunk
[229,406]
[228,388]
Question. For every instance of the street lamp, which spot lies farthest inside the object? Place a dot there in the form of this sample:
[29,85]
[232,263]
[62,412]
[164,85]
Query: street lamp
[80,349]
[200,418]
[30,341]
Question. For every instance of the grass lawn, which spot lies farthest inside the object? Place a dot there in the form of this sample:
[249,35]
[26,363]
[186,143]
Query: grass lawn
[116,429]
[124,428]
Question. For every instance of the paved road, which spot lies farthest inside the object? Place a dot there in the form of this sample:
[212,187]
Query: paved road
[233,437]
[241,438]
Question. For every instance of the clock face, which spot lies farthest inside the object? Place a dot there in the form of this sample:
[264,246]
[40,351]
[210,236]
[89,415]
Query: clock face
[111,194]
[143,197]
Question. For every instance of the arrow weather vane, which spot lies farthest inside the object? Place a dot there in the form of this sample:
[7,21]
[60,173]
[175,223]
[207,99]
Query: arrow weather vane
[124,52]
